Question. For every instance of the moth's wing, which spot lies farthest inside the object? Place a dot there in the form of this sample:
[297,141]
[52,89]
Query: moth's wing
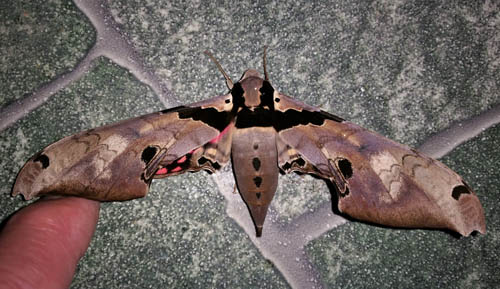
[118,161]
[379,180]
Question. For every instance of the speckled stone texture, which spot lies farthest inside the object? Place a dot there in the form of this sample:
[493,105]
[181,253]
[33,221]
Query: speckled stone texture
[407,69]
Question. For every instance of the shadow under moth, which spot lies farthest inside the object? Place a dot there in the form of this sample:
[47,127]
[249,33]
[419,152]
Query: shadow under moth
[263,132]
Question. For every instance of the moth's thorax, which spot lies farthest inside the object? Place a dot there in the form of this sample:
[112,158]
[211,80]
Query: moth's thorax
[251,91]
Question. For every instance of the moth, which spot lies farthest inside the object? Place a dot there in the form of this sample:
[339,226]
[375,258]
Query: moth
[262,132]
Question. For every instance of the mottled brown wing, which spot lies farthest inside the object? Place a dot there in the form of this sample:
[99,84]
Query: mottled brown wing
[379,180]
[118,161]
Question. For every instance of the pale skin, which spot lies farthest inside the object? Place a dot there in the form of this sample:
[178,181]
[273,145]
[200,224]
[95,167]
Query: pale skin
[41,244]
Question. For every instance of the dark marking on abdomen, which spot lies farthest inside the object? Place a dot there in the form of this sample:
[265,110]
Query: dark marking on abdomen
[257,181]
[256,163]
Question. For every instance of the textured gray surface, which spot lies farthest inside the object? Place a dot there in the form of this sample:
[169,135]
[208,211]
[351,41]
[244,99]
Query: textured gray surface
[406,70]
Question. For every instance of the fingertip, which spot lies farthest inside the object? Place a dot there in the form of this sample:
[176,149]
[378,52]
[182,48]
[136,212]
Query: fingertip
[41,244]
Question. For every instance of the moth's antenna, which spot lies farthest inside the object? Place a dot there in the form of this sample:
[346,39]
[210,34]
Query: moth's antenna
[229,82]
[266,76]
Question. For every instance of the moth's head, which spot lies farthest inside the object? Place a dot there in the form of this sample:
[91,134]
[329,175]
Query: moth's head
[251,91]
[254,88]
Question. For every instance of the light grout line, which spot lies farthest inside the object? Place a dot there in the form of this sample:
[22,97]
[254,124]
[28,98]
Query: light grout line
[116,47]
[110,43]
[21,107]
[459,132]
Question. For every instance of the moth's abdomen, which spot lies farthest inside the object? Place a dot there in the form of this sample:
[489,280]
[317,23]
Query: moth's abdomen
[255,159]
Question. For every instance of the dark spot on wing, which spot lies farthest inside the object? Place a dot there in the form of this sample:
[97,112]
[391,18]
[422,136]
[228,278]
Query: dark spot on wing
[216,165]
[291,118]
[146,180]
[345,168]
[173,109]
[346,193]
[300,162]
[203,160]
[178,165]
[263,117]
[148,154]
[43,159]
[238,99]
[459,190]
[266,95]
[258,194]
[210,116]
[296,162]
[330,116]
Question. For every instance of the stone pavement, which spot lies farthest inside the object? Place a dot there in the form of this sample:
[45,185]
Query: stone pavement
[426,75]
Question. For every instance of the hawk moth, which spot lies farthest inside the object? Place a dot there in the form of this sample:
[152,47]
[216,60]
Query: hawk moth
[262,132]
